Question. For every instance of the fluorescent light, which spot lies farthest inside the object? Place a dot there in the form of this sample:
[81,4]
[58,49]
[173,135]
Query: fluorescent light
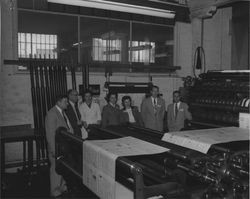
[181,3]
[233,71]
[121,7]
[76,44]
[141,47]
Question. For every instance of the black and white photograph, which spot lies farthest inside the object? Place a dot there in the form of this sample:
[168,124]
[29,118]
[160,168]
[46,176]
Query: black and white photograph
[124,99]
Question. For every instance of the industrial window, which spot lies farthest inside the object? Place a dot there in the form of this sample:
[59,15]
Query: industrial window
[32,45]
[106,50]
[110,50]
[142,51]
[85,39]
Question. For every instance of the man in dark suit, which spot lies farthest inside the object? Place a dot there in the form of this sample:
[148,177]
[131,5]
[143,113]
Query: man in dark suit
[111,113]
[73,113]
[177,113]
[56,118]
[153,110]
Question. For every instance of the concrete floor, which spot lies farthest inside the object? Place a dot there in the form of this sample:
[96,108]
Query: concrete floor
[23,185]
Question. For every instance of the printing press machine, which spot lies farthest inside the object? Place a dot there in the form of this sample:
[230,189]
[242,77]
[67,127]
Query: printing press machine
[217,98]
[178,173]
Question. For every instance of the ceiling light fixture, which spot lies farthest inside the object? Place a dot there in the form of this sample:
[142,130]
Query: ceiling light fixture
[121,7]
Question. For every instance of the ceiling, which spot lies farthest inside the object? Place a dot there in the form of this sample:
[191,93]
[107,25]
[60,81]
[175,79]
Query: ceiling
[197,8]
[207,8]
[184,9]
[181,9]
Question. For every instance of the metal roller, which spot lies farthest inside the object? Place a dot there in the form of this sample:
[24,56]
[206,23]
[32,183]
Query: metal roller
[38,98]
[33,94]
[47,88]
[51,81]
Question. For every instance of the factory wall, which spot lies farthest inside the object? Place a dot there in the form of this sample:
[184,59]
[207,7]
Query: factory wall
[217,39]
[214,35]
[241,36]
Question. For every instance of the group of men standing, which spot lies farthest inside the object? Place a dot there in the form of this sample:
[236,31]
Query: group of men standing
[76,119]
[153,112]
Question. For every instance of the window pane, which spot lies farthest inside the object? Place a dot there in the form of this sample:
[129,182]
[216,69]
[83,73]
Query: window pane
[47,39]
[35,48]
[38,50]
[155,44]
[19,49]
[47,30]
[51,41]
[42,39]
[28,37]
[54,52]
[22,53]
[22,37]
[33,38]
[55,39]
[28,50]
[38,38]
[108,39]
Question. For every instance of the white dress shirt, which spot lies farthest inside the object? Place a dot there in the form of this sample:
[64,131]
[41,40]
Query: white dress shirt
[59,109]
[154,101]
[178,106]
[91,114]
[130,115]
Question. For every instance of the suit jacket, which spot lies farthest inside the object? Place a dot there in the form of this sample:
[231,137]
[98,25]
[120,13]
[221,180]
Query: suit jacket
[73,120]
[177,123]
[136,114]
[111,115]
[153,119]
[53,121]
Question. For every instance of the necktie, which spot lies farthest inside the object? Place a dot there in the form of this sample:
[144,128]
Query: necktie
[89,105]
[65,119]
[155,110]
[176,110]
[77,112]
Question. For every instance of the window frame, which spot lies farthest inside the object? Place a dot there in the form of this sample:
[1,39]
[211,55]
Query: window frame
[79,16]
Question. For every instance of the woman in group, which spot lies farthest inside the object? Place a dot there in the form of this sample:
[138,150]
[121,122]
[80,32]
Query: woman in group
[130,114]
[111,113]
[90,111]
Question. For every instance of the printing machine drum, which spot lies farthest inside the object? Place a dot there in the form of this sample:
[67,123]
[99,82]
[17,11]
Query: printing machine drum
[177,173]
